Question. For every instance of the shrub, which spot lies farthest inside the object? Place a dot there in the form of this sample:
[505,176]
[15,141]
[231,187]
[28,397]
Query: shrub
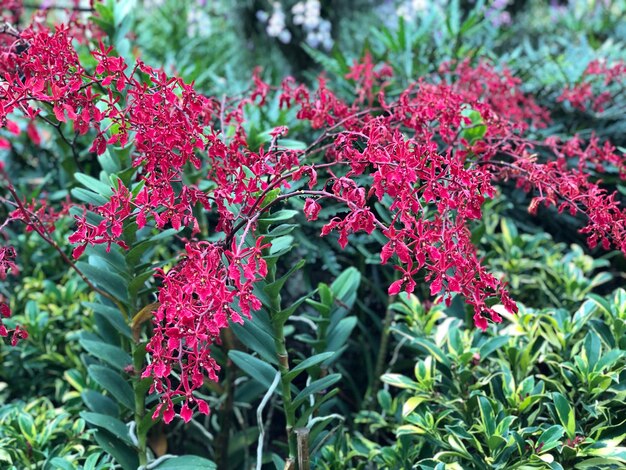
[188,210]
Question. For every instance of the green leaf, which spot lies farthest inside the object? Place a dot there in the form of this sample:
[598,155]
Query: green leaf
[385,400]
[110,354]
[256,333]
[280,246]
[346,285]
[112,315]
[550,438]
[259,370]
[601,302]
[275,287]
[592,348]
[134,254]
[291,144]
[609,359]
[84,195]
[308,363]
[602,449]
[27,427]
[338,336]
[432,349]
[411,404]
[565,413]
[110,282]
[399,381]
[282,316]
[613,435]
[315,387]
[113,425]
[121,452]
[99,403]
[492,344]
[186,462]
[93,184]
[279,216]
[58,463]
[488,416]
[113,383]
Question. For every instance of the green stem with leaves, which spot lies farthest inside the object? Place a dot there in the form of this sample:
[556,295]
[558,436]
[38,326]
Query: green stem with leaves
[140,403]
[283,365]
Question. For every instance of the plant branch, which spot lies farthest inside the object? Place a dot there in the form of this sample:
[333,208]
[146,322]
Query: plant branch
[33,221]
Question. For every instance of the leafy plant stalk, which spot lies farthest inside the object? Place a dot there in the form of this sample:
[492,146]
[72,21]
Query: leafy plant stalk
[140,405]
[283,365]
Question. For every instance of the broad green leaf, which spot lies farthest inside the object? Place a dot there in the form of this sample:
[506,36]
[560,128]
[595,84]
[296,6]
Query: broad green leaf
[61,464]
[110,282]
[257,336]
[105,352]
[592,349]
[308,363]
[275,287]
[411,404]
[408,429]
[492,344]
[27,426]
[259,370]
[314,387]
[487,416]
[432,349]
[613,435]
[279,216]
[601,302]
[113,425]
[606,450]
[549,439]
[113,383]
[113,316]
[565,413]
[399,381]
[339,334]
[93,184]
[186,462]
[99,403]
[346,285]
[121,452]
[509,232]
[280,246]
[84,195]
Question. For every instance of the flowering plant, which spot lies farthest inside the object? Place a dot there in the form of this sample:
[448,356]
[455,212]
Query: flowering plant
[413,168]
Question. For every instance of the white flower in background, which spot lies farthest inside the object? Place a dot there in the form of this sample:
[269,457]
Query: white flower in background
[419,5]
[284,36]
[150,4]
[410,9]
[308,15]
[276,22]
[262,16]
[276,27]
[497,14]
[198,22]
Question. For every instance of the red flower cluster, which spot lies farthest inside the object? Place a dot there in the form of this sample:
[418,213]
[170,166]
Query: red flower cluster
[197,299]
[11,10]
[7,263]
[597,76]
[416,166]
